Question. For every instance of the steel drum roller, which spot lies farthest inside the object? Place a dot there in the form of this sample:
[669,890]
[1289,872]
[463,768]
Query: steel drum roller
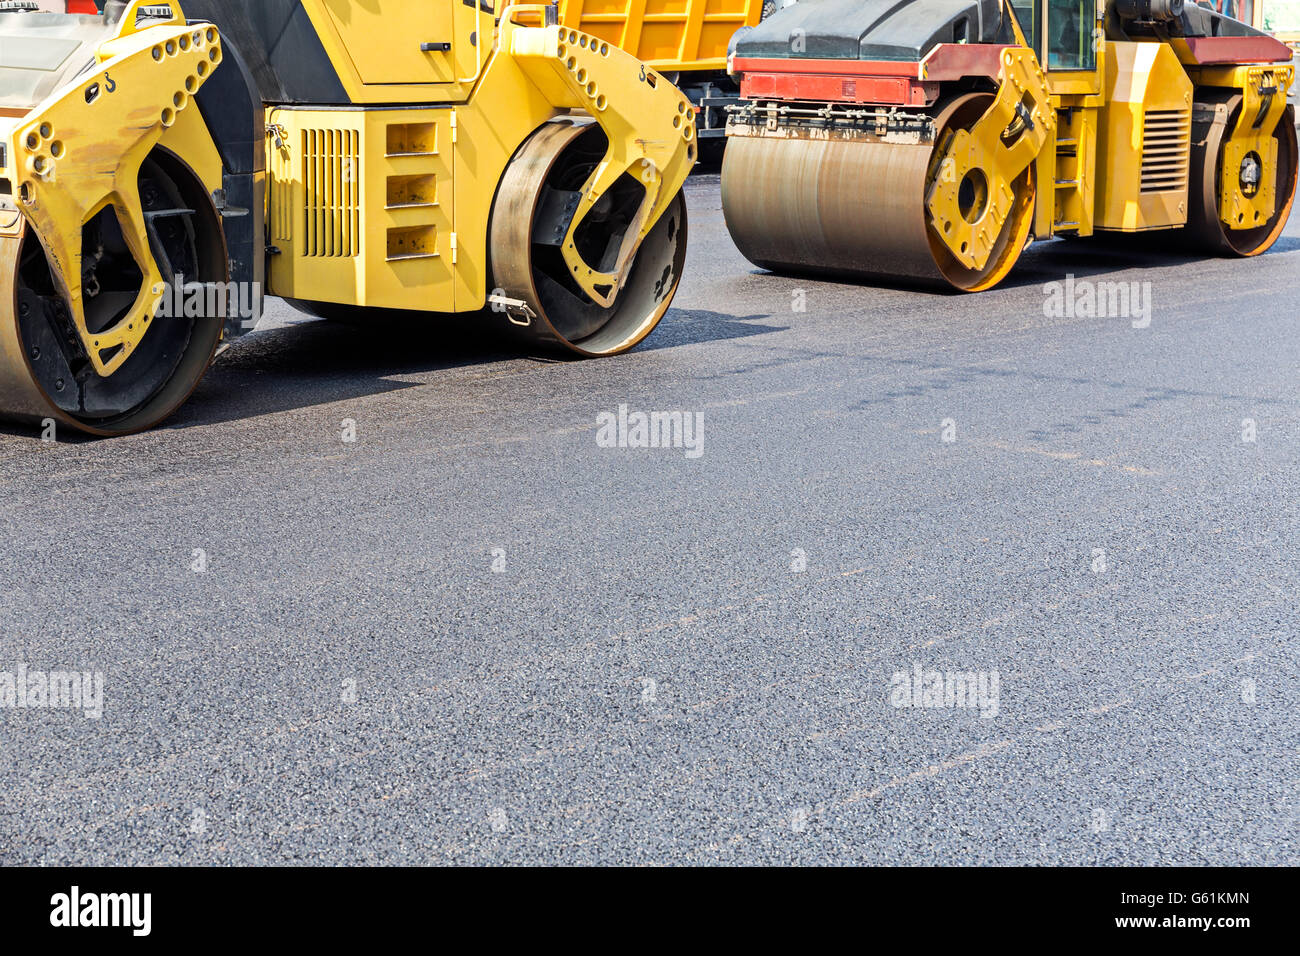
[855,207]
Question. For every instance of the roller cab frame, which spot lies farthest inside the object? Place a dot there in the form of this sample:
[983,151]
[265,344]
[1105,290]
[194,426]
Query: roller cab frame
[931,142]
[161,169]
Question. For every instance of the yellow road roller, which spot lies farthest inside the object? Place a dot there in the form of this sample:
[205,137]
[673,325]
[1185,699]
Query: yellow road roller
[163,169]
[926,141]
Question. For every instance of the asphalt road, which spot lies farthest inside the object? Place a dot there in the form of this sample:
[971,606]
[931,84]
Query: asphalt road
[345,679]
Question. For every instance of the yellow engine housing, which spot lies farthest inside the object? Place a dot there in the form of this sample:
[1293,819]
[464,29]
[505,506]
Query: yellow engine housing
[1144,143]
[362,206]
[387,206]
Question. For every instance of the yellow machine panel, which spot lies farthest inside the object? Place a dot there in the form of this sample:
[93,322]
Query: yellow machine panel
[361,206]
[403,51]
[1145,139]
[422,53]
[669,35]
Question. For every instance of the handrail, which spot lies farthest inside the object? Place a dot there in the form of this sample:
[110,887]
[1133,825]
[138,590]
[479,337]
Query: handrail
[479,60]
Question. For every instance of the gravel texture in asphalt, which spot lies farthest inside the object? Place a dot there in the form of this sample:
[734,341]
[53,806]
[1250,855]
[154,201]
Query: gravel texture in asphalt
[475,635]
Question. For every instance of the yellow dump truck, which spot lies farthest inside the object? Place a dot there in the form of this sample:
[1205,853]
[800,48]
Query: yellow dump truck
[353,157]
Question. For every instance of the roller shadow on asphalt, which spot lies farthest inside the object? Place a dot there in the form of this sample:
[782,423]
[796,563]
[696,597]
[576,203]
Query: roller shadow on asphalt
[1049,261]
[1098,257]
[314,362]
[695,326]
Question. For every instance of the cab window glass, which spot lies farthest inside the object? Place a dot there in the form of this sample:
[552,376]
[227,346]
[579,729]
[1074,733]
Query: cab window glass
[1070,42]
[1028,12]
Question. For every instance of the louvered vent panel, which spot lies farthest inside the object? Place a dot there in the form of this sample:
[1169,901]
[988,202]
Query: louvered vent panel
[282,211]
[1166,150]
[331,193]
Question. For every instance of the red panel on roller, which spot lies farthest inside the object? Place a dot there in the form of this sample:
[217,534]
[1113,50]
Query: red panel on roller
[947,61]
[1215,51]
[815,88]
[952,61]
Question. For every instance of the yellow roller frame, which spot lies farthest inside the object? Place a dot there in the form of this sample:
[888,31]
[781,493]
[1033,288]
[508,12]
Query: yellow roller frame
[982,153]
[649,122]
[81,151]
[1264,92]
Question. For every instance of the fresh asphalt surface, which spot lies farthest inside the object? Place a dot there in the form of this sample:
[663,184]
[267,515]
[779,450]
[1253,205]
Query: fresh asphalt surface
[649,681]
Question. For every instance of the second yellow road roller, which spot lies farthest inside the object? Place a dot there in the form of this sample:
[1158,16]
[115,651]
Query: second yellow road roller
[161,169]
[931,141]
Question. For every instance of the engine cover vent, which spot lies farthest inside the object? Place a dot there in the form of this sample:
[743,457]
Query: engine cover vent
[1166,150]
[331,193]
